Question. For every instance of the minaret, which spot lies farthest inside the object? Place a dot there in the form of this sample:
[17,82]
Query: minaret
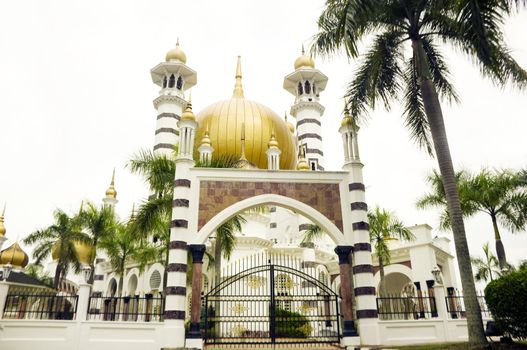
[273,153]
[111,194]
[2,228]
[306,83]
[187,127]
[174,77]
[349,129]
[205,149]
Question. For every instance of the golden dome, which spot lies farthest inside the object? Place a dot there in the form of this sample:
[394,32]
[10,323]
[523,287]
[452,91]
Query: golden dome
[2,227]
[225,119]
[188,114]
[304,61]
[111,192]
[176,54]
[14,255]
[84,252]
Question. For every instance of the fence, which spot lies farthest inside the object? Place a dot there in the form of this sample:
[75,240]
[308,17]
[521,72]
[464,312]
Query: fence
[455,304]
[147,308]
[40,306]
[406,307]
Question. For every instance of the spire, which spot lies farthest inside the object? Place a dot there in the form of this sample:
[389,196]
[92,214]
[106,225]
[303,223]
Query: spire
[188,114]
[238,89]
[242,157]
[111,192]
[303,51]
[2,227]
[302,162]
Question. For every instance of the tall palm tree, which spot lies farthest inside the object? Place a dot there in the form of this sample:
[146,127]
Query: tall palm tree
[486,266]
[99,224]
[385,227]
[420,78]
[503,196]
[59,240]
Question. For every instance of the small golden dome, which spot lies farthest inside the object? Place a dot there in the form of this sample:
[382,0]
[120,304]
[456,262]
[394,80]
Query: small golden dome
[347,119]
[176,54]
[14,255]
[302,162]
[188,114]
[111,192]
[272,142]
[2,227]
[205,141]
[304,61]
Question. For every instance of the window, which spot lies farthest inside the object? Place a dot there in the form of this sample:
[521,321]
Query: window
[313,164]
[171,81]
[179,83]
[300,90]
[307,87]
[314,89]
[164,82]
[155,280]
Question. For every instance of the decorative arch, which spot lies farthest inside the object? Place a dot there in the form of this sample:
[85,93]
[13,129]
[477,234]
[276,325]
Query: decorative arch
[393,268]
[289,203]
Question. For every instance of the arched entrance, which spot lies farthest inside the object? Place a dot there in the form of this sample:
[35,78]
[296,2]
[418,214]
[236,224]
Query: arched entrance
[270,300]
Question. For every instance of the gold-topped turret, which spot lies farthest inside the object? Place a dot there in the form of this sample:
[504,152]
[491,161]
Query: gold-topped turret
[111,192]
[205,141]
[238,89]
[302,162]
[188,114]
[2,227]
[347,120]
[14,255]
[176,54]
[273,143]
[304,61]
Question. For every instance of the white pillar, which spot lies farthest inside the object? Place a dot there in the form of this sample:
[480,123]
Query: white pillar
[83,301]
[4,289]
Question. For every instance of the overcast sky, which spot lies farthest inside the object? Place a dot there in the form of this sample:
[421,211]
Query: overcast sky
[76,101]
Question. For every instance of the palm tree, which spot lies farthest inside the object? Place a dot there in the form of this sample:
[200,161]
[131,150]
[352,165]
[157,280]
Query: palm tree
[486,266]
[421,78]
[312,233]
[99,224]
[59,241]
[384,227]
[225,242]
[124,246]
[503,196]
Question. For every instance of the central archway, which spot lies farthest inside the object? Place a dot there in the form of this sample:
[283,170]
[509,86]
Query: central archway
[271,199]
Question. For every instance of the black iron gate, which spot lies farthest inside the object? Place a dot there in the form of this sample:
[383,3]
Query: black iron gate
[271,304]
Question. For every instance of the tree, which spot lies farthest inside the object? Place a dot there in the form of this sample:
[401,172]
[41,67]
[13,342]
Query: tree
[36,271]
[503,196]
[225,242]
[58,239]
[487,266]
[384,227]
[312,233]
[421,78]
[99,224]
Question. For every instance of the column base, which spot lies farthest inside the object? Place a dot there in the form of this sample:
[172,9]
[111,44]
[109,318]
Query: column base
[350,343]
[194,331]
[349,329]
[194,343]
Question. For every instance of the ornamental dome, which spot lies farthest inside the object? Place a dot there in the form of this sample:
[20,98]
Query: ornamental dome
[226,119]
[111,192]
[304,61]
[176,54]
[14,255]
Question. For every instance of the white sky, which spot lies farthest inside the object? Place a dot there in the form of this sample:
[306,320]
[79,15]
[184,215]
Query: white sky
[76,101]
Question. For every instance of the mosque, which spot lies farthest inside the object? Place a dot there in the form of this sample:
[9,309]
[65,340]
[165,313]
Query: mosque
[329,283]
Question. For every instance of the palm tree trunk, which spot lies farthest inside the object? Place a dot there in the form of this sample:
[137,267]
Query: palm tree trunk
[382,284]
[92,265]
[500,250]
[56,280]
[434,115]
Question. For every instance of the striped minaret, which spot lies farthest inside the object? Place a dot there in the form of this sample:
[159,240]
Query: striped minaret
[306,83]
[176,292]
[364,287]
[174,77]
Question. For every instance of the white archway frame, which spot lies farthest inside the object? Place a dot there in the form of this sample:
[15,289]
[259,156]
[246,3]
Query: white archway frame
[393,268]
[273,199]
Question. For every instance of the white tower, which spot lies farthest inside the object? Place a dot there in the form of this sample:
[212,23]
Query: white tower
[306,83]
[174,78]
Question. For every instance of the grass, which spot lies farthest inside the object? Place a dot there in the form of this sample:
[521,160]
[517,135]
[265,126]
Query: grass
[463,346]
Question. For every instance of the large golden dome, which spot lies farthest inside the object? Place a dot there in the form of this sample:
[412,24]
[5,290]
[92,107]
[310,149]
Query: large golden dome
[84,252]
[226,119]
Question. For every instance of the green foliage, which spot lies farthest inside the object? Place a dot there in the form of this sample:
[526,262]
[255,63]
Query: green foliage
[223,161]
[37,272]
[312,233]
[506,299]
[486,268]
[290,324]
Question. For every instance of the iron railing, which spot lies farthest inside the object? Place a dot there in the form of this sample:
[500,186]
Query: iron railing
[40,306]
[146,308]
[406,307]
[455,304]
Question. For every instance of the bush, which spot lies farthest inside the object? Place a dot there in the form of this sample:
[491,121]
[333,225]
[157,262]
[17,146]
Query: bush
[291,324]
[507,301]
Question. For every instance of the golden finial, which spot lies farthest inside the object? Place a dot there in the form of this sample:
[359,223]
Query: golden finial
[273,143]
[2,227]
[303,51]
[111,192]
[238,89]
[242,157]
[304,61]
[302,162]
[188,114]
[290,126]
[205,141]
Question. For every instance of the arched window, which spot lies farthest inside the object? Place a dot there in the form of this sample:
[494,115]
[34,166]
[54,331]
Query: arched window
[300,89]
[179,83]
[314,88]
[307,88]
[171,81]
[164,81]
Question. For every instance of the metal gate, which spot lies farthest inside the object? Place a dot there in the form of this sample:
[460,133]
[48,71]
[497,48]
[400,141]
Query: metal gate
[271,304]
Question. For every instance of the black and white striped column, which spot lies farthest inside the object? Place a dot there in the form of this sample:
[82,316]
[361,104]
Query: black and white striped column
[169,110]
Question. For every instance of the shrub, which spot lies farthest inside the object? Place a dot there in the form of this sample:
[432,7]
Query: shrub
[507,301]
[291,324]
